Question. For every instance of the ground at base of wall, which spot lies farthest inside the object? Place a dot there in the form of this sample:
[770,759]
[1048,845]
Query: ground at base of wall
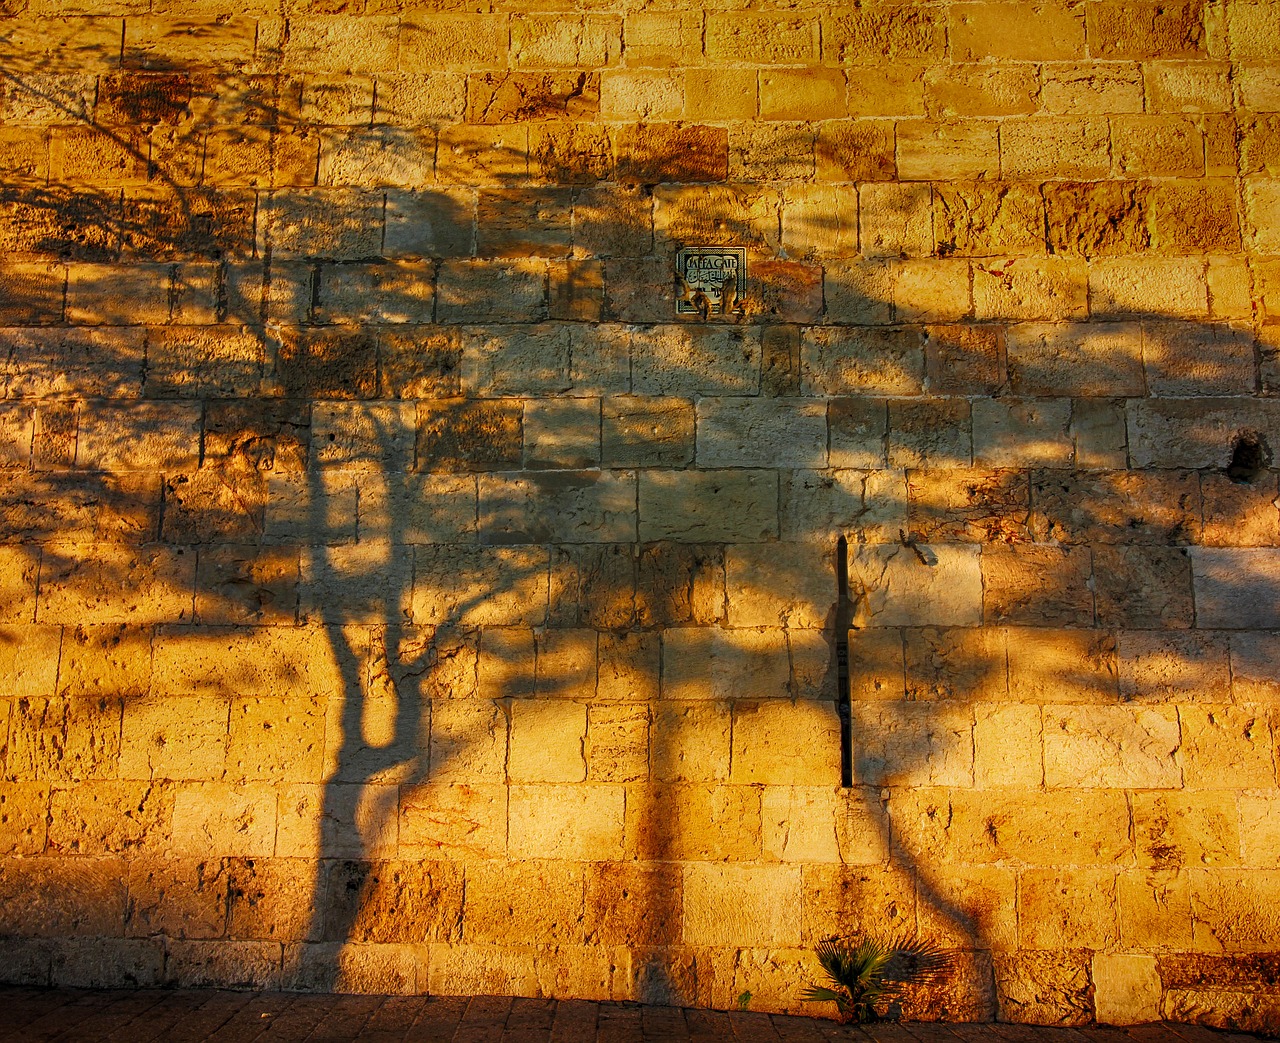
[189,1015]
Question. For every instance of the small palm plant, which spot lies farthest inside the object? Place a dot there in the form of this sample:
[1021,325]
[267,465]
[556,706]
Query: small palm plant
[861,973]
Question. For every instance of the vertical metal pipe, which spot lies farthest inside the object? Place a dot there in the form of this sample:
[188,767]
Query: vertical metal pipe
[844,613]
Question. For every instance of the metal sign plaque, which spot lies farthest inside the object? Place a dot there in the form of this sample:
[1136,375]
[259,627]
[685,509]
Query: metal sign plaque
[710,279]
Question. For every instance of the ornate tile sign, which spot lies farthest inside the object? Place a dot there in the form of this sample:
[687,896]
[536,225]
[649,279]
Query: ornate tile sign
[710,279]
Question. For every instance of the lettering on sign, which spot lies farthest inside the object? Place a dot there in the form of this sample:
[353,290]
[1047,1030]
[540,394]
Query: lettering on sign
[710,279]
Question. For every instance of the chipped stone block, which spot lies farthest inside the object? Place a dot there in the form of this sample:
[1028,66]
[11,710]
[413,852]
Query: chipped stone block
[938,584]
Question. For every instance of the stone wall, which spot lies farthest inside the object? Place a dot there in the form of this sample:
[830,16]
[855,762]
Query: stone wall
[399,595]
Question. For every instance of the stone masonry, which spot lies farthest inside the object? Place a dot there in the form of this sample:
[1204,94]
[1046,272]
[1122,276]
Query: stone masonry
[398,596]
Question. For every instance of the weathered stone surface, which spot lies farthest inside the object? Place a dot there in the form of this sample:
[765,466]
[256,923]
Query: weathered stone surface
[1104,746]
[1040,988]
[1190,666]
[909,585]
[755,904]
[709,505]
[714,663]
[1234,588]
[783,743]
[693,823]
[912,744]
[64,739]
[859,361]
[107,817]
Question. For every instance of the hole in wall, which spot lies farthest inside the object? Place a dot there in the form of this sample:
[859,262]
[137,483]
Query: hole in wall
[1250,456]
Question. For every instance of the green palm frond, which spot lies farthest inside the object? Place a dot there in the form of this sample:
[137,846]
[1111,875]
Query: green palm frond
[860,973]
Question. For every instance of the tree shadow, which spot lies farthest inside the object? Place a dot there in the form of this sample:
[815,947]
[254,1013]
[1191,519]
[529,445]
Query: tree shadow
[551,573]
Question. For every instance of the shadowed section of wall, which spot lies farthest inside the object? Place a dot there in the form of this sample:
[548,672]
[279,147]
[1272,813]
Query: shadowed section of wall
[400,596]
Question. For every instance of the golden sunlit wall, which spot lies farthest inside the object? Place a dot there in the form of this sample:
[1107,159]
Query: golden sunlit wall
[400,594]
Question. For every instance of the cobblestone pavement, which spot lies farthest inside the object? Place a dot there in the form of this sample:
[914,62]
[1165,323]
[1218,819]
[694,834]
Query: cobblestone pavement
[30,1014]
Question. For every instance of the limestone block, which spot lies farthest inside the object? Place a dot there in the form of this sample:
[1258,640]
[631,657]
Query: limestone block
[641,94]
[1167,287]
[854,150]
[479,586]
[538,902]
[931,291]
[272,899]
[177,897]
[633,904]
[689,742]
[364,156]
[24,813]
[1033,585]
[1186,829]
[737,905]
[275,740]
[246,584]
[1259,830]
[1098,218]
[87,155]
[1199,433]
[773,39]
[1199,360]
[911,744]
[337,820]
[524,222]
[857,430]
[839,360]
[547,740]
[859,292]
[463,821]
[614,220]
[1078,88]
[1068,908]
[976,505]
[468,435]
[468,741]
[1044,988]
[894,587]
[559,506]
[1238,515]
[1236,588]
[627,669]
[1142,586]
[785,743]
[1260,87]
[63,739]
[382,970]
[507,663]
[696,360]
[1022,433]
[566,663]
[1027,33]
[929,150]
[1227,747]
[32,294]
[1085,360]
[94,661]
[435,223]
[871,35]
[1155,909]
[139,436]
[1056,147]
[967,89]
[780,584]
[652,153]
[646,431]
[1099,432]
[1007,742]
[490,291]
[277,661]
[211,818]
[1044,288]
[930,434]
[543,40]
[979,218]
[682,823]
[198,361]
[1116,507]
[818,504]
[451,40]
[1234,910]
[1157,145]
[593,585]
[779,432]
[105,817]
[63,897]
[107,963]
[369,583]
[799,824]
[617,746]
[392,901]
[208,964]
[713,663]
[969,905]
[1253,668]
[578,823]
[337,100]
[733,505]
[357,294]
[600,355]
[1173,667]
[855,900]
[819,221]
[337,223]
[487,970]
[91,363]
[896,220]
[960,663]
[1112,746]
